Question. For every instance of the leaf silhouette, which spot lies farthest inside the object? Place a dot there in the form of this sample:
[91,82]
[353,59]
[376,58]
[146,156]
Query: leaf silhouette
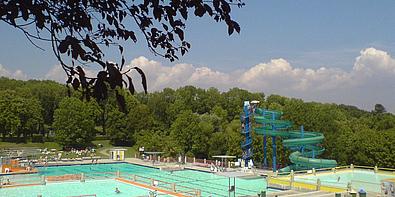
[143,79]
[82,77]
[76,84]
[115,76]
[100,88]
[121,101]
[69,80]
[131,86]
[180,33]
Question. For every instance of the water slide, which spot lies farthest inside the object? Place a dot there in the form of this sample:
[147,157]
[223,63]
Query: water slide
[305,144]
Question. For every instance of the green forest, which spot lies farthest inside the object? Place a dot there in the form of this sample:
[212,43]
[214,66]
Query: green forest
[189,121]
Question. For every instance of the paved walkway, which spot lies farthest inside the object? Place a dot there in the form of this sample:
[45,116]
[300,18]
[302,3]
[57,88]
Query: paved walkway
[60,163]
[231,172]
[105,151]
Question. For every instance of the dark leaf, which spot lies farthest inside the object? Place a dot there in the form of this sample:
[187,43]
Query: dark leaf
[63,45]
[80,71]
[82,77]
[157,13]
[122,62]
[102,76]
[25,13]
[100,91]
[230,30]
[92,81]
[199,11]
[131,86]
[208,9]
[165,26]
[225,6]
[170,35]
[121,102]
[76,84]
[236,26]
[216,4]
[184,12]
[114,76]
[69,80]
[143,79]
[180,33]
[120,49]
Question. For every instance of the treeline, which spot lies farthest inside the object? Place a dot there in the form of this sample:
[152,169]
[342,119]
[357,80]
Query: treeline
[189,120]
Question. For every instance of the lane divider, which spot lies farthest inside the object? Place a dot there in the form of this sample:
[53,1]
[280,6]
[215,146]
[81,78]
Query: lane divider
[150,187]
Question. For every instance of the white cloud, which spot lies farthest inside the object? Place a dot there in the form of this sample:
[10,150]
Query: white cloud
[369,81]
[18,74]
[373,71]
[56,73]
[373,61]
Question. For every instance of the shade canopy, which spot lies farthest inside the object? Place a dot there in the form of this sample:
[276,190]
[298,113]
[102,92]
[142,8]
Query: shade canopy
[153,153]
[118,149]
[224,156]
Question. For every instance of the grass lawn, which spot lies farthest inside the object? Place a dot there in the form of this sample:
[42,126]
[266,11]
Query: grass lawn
[100,151]
[49,145]
[103,151]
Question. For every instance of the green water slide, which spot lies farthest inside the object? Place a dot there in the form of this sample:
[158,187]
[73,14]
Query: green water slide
[304,143]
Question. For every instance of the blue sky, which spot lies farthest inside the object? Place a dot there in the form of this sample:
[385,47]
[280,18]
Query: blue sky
[306,34]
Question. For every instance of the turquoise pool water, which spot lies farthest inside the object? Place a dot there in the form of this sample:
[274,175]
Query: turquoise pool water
[102,188]
[366,179]
[208,183]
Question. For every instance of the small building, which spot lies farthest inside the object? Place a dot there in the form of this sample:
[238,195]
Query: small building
[8,165]
[117,154]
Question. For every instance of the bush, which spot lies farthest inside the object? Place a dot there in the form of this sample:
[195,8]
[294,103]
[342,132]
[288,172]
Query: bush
[37,138]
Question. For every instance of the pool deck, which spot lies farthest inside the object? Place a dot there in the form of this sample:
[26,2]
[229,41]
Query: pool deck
[230,172]
[21,172]
[150,187]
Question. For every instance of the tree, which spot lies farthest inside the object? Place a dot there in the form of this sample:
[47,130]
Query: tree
[151,140]
[217,144]
[116,130]
[82,29]
[19,116]
[379,109]
[123,127]
[234,137]
[191,134]
[48,93]
[74,123]
[234,99]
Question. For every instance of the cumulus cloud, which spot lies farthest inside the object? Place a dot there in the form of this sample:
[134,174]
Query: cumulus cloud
[18,74]
[368,81]
[160,76]
[56,73]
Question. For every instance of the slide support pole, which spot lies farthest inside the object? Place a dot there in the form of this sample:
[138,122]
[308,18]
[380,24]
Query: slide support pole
[274,146]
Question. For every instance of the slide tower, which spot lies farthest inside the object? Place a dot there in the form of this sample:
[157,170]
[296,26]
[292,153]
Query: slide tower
[304,144]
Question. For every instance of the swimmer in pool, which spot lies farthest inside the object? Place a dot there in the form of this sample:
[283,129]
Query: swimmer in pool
[338,179]
[117,190]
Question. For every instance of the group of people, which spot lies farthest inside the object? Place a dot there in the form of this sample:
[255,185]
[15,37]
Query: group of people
[151,193]
[7,182]
[388,191]
[83,152]
[214,168]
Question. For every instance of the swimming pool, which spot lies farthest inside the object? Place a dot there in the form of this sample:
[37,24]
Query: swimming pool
[101,188]
[208,183]
[359,179]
